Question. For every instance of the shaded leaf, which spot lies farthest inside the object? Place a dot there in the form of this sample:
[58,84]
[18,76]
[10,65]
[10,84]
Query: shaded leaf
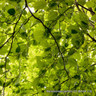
[18,49]
[11,11]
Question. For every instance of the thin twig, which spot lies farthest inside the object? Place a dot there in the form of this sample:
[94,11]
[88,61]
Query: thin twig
[6,65]
[12,36]
[26,5]
[13,31]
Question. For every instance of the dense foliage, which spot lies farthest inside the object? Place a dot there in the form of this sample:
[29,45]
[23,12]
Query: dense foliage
[47,48]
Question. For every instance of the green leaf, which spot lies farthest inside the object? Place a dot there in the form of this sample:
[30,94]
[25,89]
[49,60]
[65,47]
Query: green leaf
[94,17]
[71,51]
[9,82]
[72,61]
[52,4]
[34,42]
[77,40]
[1,83]
[82,2]
[11,11]
[57,35]
[66,44]
[24,34]
[41,85]
[32,51]
[74,31]
[68,36]
[77,77]
[41,4]
[90,4]
[46,33]
[25,53]
[85,24]
[16,1]
[18,49]
[38,32]
[1,70]
[2,65]
[48,49]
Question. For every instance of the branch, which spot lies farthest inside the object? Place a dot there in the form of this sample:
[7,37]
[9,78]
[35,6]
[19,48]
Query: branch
[91,37]
[90,9]
[13,31]
[26,5]
[6,65]
[76,3]
[12,36]
[62,14]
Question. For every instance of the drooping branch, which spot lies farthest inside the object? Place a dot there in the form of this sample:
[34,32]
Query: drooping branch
[26,5]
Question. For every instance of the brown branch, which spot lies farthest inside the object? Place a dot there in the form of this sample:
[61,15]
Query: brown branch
[12,36]
[13,31]
[6,65]
[91,37]
[90,9]
[76,3]
[26,5]
[62,14]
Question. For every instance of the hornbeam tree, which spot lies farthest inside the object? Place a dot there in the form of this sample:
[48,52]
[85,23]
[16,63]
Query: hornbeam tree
[47,47]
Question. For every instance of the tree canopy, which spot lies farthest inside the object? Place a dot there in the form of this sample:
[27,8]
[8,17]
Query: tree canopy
[47,47]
